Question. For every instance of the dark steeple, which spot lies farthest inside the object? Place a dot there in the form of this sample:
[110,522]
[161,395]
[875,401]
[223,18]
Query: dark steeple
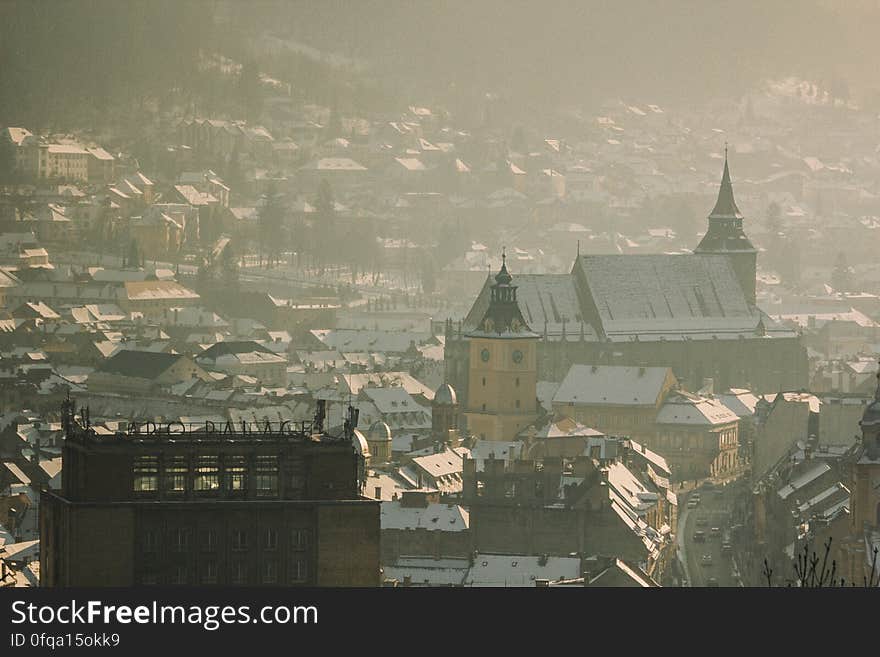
[503,277]
[503,317]
[725,206]
[725,236]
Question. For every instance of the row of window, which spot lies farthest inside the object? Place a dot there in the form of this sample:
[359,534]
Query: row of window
[179,540]
[208,475]
[239,572]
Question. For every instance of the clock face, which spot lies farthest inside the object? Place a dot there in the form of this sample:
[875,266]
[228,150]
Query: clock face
[484,355]
[517,356]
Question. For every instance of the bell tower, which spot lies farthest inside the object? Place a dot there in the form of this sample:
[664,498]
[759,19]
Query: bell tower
[502,378]
[725,236]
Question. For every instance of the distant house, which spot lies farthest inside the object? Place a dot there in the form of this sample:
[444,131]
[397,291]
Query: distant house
[441,471]
[334,170]
[157,233]
[154,298]
[101,166]
[246,358]
[697,435]
[67,161]
[138,372]
[418,524]
[615,400]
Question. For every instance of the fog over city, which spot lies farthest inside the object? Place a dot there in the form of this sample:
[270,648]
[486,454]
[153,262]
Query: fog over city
[378,293]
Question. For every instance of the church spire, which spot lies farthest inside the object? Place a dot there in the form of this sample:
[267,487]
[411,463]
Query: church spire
[502,317]
[725,206]
[725,236]
[503,277]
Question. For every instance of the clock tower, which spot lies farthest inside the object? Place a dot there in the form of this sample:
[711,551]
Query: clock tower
[502,376]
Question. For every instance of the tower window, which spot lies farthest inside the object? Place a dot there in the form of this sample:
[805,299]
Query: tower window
[484,381]
[484,407]
[517,403]
[517,382]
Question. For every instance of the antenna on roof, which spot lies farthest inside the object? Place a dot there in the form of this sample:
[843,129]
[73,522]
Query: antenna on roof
[579,249]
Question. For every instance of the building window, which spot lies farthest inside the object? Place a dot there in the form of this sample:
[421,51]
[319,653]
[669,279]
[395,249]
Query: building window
[146,474]
[178,575]
[517,382]
[180,539]
[209,572]
[209,540]
[236,474]
[271,539]
[270,572]
[484,381]
[239,540]
[484,407]
[297,482]
[299,571]
[267,476]
[151,540]
[149,579]
[207,474]
[239,572]
[517,403]
[176,471]
[299,539]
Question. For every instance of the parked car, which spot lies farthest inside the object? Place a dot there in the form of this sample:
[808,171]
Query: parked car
[693,503]
[706,560]
[712,581]
[715,532]
[726,548]
[699,537]
[702,522]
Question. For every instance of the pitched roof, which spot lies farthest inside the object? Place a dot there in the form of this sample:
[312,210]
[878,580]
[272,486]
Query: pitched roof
[232,348]
[140,364]
[545,300]
[693,410]
[520,570]
[146,290]
[612,384]
[644,294]
[433,517]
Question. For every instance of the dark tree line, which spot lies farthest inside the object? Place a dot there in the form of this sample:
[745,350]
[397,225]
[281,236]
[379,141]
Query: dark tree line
[67,62]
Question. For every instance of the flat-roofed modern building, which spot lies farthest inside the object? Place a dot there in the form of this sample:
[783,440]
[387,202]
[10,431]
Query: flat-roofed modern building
[273,504]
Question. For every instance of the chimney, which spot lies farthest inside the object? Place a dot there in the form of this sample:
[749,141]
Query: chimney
[587,575]
[407,580]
